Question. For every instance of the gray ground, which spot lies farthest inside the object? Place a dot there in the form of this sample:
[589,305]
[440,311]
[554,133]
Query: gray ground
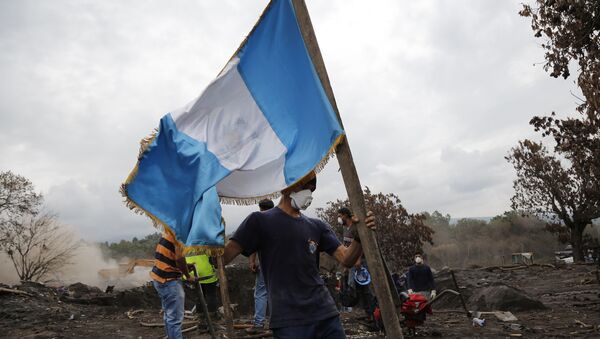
[570,296]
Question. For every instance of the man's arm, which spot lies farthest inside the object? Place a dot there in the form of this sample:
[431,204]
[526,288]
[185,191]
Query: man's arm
[232,250]
[252,262]
[431,279]
[409,280]
[181,263]
[348,256]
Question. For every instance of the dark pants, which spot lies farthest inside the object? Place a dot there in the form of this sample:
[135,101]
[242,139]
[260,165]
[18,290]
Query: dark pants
[366,299]
[210,295]
[330,328]
[211,298]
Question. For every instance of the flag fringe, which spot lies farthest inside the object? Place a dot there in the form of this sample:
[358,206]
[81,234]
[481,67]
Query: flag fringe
[145,144]
[206,249]
[209,250]
[156,222]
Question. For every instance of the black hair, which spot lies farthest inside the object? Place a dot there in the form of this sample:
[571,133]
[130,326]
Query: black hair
[266,204]
[345,211]
[311,183]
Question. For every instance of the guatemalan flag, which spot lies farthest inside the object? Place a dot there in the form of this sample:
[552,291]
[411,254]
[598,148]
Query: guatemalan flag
[263,124]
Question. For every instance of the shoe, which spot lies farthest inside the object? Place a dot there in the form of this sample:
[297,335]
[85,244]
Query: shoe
[256,329]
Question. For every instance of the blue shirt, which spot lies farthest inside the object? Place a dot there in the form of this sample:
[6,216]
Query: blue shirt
[288,249]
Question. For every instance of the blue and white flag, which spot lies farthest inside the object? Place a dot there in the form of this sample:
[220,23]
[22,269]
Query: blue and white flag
[263,124]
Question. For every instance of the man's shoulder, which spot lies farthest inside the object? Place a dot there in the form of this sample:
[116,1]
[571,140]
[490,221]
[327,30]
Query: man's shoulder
[265,216]
[318,222]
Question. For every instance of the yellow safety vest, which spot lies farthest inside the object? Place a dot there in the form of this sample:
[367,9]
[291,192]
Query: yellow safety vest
[205,270]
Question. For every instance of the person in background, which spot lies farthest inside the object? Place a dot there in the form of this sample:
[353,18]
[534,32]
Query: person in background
[207,276]
[420,279]
[166,274]
[365,296]
[260,290]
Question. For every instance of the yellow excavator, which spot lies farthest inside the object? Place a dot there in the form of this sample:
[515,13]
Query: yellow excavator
[124,269]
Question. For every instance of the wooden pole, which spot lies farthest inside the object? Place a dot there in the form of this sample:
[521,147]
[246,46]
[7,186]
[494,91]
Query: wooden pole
[225,297]
[200,300]
[462,300]
[352,183]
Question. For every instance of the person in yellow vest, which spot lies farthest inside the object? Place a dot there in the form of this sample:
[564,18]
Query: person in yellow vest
[207,276]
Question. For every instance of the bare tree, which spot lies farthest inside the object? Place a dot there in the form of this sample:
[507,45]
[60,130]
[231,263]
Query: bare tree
[563,181]
[38,245]
[17,198]
[399,234]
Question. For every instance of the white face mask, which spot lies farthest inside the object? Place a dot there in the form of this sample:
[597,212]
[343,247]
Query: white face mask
[419,260]
[301,199]
[340,221]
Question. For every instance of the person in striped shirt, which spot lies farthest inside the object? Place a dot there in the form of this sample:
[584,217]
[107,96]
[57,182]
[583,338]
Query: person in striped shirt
[169,267]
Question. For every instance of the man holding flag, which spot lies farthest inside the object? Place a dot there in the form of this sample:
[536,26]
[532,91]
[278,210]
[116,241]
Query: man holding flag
[288,244]
[263,126]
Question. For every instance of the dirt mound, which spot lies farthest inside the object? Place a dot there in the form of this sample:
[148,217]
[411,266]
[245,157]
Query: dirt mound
[78,289]
[502,297]
[443,281]
[240,282]
[141,297]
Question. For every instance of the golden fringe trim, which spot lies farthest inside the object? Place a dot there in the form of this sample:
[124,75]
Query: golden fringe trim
[145,144]
[318,168]
[156,222]
[209,250]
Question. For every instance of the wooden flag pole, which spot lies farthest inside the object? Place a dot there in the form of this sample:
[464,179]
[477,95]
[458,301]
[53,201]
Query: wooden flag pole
[225,297]
[352,183]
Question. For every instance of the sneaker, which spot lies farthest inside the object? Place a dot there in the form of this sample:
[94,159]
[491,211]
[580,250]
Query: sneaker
[256,329]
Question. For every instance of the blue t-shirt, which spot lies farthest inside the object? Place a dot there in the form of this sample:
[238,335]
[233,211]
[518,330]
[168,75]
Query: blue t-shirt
[288,249]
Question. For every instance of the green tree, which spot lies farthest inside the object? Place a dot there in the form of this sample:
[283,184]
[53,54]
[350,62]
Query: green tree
[134,249]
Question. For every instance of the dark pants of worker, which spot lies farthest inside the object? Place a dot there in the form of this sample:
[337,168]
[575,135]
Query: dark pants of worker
[366,299]
[330,328]
[210,295]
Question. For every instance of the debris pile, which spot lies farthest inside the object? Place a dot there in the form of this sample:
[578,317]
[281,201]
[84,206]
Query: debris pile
[499,296]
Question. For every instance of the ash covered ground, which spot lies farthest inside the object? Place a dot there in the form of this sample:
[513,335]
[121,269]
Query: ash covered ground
[548,302]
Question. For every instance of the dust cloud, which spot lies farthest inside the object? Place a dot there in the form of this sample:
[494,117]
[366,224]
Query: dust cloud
[83,267]
[86,263]
[8,275]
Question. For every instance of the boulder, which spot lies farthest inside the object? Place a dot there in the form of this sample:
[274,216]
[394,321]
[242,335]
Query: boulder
[502,297]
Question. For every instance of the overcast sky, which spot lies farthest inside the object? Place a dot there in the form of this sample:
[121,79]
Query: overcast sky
[433,94]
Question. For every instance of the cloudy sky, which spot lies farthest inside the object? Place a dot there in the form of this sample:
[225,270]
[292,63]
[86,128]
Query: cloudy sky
[433,94]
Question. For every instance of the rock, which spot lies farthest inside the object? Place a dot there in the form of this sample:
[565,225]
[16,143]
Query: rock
[502,297]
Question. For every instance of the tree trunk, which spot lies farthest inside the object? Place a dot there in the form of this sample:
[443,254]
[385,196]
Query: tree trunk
[577,242]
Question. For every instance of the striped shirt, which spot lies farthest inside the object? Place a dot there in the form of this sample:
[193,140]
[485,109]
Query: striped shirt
[165,265]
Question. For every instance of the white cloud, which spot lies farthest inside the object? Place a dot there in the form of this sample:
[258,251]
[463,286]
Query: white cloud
[432,94]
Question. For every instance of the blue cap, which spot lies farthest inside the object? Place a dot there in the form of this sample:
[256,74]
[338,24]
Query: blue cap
[362,276]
